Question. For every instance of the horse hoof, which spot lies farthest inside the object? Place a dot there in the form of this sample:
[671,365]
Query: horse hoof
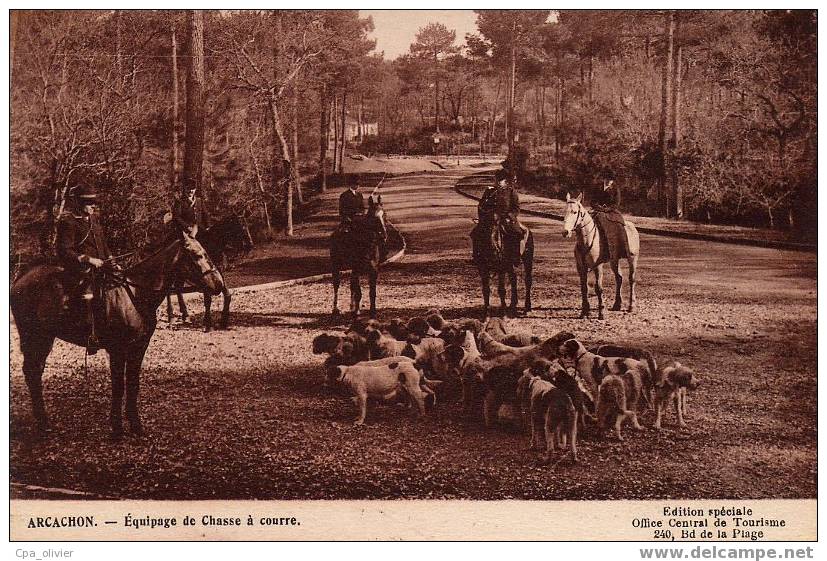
[616,308]
[207,329]
[584,315]
[600,316]
[116,436]
[337,312]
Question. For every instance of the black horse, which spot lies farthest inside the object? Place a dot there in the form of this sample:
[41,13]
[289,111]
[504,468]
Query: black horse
[42,312]
[359,250]
[219,239]
[495,259]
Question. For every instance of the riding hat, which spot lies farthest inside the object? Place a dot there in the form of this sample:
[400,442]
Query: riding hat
[500,175]
[85,192]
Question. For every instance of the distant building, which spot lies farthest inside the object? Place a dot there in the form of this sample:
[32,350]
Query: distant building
[352,129]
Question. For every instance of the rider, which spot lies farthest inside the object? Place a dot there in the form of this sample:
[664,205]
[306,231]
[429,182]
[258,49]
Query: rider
[351,203]
[501,201]
[606,213]
[189,214]
[82,249]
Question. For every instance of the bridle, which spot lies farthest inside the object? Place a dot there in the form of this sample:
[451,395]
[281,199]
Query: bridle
[579,224]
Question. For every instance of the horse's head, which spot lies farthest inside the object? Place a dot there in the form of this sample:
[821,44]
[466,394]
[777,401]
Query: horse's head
[376,217]
[196,267]
[573,217]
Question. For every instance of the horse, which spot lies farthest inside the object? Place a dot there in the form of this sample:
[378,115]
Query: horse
[359,250]
[39,299]
[494,259]
[229,234]
[590,255]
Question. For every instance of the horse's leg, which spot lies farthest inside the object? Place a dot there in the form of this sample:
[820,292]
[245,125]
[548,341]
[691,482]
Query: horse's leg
[372,278]
[598,290]
[185,315]
[207,312]
[632,293]
[355,294]
[225,312]
[512,276]
[485,278]
[169,308]
[337,279]
[528,268]
[36,350]
[134,359]
[501,289]
[618,285]
[585,307]
[117,370]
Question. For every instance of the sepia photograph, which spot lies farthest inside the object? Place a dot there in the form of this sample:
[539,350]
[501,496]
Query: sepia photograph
[363,262]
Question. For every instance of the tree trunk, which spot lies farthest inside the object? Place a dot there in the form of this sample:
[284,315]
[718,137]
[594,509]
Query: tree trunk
[512,91]
[194,134]
[669,32]
[344,132]
[283,151]
[677,194]
[360,111]
[337,134]
[323,137]
[173,155]
[294,167]
[591,80]
[260,184]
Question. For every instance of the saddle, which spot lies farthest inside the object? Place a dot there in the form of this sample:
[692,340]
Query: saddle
[612,231]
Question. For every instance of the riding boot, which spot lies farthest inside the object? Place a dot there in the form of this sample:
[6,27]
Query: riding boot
[92,343]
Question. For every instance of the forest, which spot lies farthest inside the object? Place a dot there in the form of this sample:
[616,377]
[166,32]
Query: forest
[703,115]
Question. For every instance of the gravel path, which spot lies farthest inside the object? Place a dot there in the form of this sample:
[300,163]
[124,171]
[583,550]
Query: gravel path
[242,413]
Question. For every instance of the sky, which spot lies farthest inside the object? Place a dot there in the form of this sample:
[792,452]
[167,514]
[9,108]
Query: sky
[395,30]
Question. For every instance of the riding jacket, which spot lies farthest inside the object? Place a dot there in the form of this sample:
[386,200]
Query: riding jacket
[351,203]
[504,202]
[607,200]
[186,214]
[80,236]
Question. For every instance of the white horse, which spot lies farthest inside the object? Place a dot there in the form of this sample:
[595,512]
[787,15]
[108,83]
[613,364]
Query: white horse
[590,255]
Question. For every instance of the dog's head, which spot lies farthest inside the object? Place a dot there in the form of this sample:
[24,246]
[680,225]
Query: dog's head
[419,326]
[325,343]
[398,329]
[334,373]
[454,355]
[473,325]
[563,380]
[451,334]
[435,319]
[524,384]
[485,340]
[362,326]
[540,368]
[568,350]
[373,336]
[680,376]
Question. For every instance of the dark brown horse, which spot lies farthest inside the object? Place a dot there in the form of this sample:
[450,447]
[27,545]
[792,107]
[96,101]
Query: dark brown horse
[359,250]
[226,236]
[38,300]
[495,259]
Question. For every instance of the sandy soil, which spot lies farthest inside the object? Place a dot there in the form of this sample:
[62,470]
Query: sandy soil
[243,414]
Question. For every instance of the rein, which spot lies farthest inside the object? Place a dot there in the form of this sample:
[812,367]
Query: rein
[580,226]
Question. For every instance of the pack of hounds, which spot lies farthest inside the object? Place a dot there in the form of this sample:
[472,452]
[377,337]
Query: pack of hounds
[550,386]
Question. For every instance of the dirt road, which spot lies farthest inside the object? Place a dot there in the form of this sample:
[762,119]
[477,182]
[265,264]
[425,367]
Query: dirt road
[242,414]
